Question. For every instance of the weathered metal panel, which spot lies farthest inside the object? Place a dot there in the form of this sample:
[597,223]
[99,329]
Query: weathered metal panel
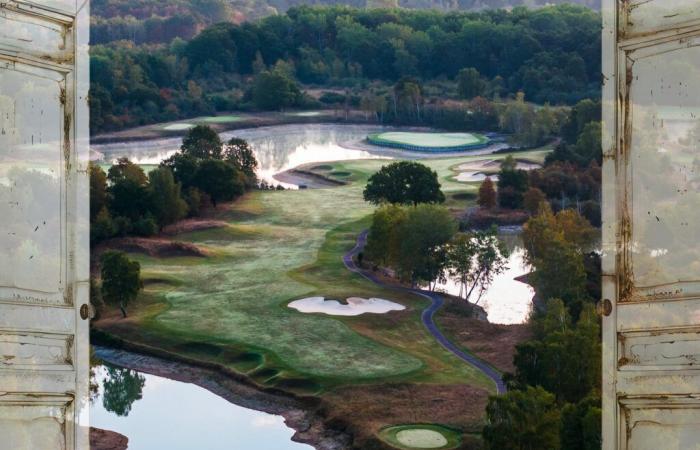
[44,216]
[651,211]
[646,17]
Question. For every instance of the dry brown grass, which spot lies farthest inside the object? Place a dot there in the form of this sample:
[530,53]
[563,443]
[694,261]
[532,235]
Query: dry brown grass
[367,409]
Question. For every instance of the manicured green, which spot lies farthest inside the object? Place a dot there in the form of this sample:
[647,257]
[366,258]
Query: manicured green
[221,119]
[429,141]
[421,436]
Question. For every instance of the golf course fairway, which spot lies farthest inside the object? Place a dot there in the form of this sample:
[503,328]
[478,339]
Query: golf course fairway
[269,248]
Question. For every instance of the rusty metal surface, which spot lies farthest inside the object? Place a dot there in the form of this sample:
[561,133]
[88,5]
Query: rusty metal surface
[651,238]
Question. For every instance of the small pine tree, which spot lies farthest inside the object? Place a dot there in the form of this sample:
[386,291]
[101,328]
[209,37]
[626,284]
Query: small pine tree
[487,194]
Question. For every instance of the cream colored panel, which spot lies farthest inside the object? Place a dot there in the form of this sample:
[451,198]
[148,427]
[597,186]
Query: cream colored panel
[669,425]
[661,350]
[43,37]
[647,16]
[31,184]
[35,422]
[664,163]
[36,351]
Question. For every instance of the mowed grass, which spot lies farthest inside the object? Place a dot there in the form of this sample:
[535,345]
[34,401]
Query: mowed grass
[279,246]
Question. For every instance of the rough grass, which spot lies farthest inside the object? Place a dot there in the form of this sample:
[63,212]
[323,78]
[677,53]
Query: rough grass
[279,246]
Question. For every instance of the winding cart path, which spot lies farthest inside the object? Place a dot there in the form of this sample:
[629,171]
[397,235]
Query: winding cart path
[427,316]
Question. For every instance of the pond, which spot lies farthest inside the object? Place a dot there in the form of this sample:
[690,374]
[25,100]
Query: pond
[156,412]
[507,300]
[277,148]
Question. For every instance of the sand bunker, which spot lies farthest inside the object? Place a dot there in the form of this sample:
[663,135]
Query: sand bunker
[477,171]
[421,438]
[178,126]
[354,307]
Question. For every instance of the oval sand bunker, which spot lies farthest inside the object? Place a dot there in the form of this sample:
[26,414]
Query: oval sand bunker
[354,307]
[421,438]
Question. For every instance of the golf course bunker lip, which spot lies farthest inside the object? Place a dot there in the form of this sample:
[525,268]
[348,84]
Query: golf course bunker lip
[354,306]
[421,436]
[178,126]
[429,142]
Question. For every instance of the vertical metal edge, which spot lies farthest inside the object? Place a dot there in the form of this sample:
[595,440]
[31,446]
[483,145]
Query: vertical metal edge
[610,415]
[81,220]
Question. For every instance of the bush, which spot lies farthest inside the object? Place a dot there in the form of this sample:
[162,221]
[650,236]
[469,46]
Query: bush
[145,226]
[331,98]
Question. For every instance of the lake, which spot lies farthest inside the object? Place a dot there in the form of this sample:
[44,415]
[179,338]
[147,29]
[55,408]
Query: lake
[277,148]
[160,413]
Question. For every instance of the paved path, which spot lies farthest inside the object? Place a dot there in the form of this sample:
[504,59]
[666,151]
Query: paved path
[427,315]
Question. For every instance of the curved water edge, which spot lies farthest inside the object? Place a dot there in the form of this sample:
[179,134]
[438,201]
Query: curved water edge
[427,316]
[281,148]
[174,393]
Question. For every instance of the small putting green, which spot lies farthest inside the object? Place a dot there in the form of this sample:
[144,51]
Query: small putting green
[429,142]
[221,119]
[178,126]
[305,114]
[421,436]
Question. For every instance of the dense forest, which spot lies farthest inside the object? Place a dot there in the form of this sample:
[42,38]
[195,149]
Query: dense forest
[551,54]
[161,20]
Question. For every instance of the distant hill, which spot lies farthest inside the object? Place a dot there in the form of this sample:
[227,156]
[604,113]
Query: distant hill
[253,9]
[159,21]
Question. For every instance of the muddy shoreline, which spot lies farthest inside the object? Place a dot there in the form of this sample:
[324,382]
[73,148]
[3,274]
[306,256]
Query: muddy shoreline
[302,414]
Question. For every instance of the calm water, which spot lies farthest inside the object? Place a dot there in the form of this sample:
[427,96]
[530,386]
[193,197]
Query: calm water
[276,148]
[507,300]
[159,413]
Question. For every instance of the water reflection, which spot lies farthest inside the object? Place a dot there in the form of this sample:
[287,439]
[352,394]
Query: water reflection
[506,300]
[120,389]
[277,148]
[156,412]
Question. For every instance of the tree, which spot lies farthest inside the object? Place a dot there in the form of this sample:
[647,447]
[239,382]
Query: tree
[512,184]
[102,227]
[125,170]
[183,167]
[422,236]
[202,142]
[240,154]
[404,182]
[382,241]
[408,97]
[560,272]
[128,192]
[532,198]
[487,194]
[121,389]
[98,189]
[168,205]
[581,425]
[470,84]
[275,90]
[474,259]
[121,279]
[522,420]
[564,359]
[220,180]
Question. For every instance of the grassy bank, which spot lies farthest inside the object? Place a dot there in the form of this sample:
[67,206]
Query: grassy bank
[277,246]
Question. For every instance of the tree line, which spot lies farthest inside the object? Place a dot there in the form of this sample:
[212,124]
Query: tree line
[570,178]
[552,54]
[127,201]
[553,400]
[412,233]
